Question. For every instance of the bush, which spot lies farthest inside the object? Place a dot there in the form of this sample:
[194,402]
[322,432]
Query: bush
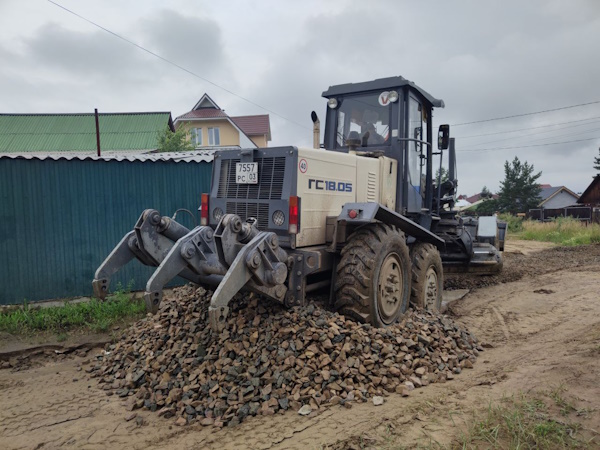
[514,224]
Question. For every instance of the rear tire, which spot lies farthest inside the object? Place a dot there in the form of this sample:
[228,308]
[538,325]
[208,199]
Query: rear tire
[373,276]
[427,277]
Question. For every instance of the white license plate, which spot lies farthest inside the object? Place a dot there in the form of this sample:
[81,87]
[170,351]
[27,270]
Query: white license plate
[246,173]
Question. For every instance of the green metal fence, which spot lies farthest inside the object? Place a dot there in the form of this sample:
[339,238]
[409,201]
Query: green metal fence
[59,218]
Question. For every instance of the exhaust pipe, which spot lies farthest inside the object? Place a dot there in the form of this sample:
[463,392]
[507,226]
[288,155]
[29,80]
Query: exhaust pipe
[316,130]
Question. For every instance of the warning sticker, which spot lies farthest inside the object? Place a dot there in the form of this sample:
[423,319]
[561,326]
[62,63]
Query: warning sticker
[303,166]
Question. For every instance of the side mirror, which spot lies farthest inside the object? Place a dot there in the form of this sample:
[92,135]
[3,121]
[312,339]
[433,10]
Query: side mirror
[314,117]
[443,137]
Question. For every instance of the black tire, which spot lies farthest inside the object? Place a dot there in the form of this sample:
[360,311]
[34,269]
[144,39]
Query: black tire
[373,276]
[427,277]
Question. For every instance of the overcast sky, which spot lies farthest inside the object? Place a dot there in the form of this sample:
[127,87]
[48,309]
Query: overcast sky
[485,59]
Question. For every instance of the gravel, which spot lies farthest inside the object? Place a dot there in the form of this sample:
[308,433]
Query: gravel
[517,266]
[271,360]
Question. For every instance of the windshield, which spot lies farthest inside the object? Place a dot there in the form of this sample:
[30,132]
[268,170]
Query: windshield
[367,117]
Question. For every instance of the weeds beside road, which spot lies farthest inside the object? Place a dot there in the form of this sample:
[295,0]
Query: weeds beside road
[95,316]
[562,231]
[540,420]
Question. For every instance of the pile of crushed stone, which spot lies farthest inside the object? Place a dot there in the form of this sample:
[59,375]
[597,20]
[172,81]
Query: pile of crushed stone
[271,359]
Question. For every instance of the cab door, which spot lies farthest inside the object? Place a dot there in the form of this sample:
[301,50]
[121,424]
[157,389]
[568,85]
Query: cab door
[416,155]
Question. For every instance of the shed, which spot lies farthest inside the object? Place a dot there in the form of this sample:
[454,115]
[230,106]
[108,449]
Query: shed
[591,195]
[55,134]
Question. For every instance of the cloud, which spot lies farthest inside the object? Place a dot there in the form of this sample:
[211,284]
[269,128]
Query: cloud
[80,54]
[193,42]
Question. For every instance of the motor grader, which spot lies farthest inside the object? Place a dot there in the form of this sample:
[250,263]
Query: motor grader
[361,214]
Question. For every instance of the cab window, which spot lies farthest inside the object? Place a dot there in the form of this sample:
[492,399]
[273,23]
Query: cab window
[364,118]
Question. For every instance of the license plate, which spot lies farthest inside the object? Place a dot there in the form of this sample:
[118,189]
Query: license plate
[246,173]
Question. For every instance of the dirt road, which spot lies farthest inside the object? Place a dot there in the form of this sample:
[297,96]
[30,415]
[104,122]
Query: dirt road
[540,321]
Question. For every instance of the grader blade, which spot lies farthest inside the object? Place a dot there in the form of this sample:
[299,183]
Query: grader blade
[149,242]
[193,254]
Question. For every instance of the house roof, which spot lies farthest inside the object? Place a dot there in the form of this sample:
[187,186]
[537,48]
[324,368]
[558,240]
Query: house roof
[204,113]
[45,133]
[549,191]
[254,125]
[477,197]
[205,102]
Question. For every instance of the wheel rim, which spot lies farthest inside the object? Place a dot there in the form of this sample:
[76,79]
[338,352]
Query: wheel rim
[389,288]
[431,289]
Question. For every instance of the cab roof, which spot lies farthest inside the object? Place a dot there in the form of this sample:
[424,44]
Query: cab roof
[378,85]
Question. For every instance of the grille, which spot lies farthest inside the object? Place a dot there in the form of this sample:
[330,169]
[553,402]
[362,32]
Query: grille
[271,172]
[245,210]
[371,187]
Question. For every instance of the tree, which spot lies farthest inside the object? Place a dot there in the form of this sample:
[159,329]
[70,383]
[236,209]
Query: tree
[487,207]
[485,193]
[519,191]
[168,141]
[444,175]
[597,162]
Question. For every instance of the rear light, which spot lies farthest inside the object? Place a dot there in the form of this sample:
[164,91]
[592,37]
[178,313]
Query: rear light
[204,210]
[352,213]
[293,221]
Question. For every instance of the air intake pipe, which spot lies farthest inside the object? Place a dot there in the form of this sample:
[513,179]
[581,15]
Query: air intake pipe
[316,130]
[452,161]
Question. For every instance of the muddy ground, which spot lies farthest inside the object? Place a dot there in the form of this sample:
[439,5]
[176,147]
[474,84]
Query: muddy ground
[539,319]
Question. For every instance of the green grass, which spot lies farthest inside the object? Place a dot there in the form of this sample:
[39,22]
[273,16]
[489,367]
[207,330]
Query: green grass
[562,231]
[95,315]
[514,223]
[525,423]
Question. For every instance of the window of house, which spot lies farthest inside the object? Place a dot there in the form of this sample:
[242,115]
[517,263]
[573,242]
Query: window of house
[196,136]
[214,137]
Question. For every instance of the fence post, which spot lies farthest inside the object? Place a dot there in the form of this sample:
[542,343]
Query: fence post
[97,131]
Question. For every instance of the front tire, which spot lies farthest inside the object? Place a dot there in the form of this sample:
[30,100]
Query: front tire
[427,277]
[373,275]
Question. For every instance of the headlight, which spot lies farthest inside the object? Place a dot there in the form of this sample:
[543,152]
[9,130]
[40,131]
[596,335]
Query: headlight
[332,103]
[393,96]
[278,218]
[217,214]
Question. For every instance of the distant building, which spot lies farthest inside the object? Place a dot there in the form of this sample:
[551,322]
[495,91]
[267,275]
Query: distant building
[209,127]
[591,195]
[557,197]
[42,135]
[462,203]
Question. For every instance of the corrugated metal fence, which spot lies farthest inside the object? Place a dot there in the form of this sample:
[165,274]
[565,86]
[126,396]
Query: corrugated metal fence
[59,218]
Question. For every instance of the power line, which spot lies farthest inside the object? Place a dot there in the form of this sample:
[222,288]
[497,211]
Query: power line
[524,114]
[525,129]
[536,133]
[175,64]
[526,146]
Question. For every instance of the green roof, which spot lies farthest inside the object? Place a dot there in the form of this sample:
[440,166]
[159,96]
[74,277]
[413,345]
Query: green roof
[26,133]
